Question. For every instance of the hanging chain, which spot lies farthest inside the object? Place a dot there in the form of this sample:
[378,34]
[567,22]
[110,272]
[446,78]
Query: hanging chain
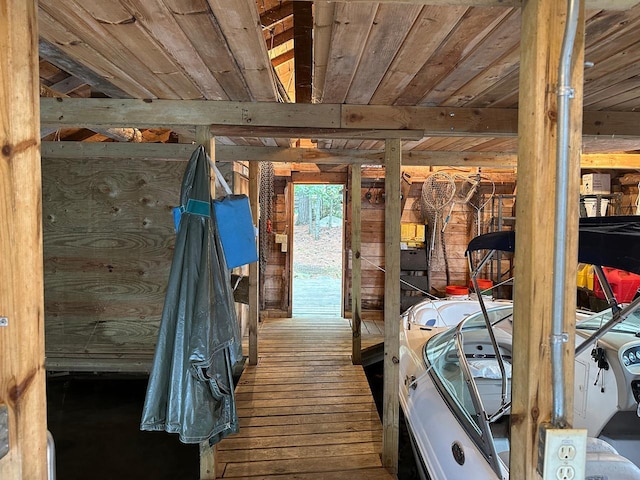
[266,212]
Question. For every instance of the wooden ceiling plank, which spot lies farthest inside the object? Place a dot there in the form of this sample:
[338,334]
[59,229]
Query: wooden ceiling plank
[603,27]
[502,39]
[62,48]
[503,94]
[613,96]
[210,44]
[390,28]
[120,20]
[303,55]
[461,42]
[161,23]
[352,24]
[87,30]
[240,25]
[322,31]
[475,90]
[430,29]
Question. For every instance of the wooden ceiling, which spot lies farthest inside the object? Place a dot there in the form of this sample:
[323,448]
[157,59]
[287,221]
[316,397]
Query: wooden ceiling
[357,53]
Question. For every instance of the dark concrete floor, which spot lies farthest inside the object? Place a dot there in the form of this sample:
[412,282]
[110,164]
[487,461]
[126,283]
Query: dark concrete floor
[95,425]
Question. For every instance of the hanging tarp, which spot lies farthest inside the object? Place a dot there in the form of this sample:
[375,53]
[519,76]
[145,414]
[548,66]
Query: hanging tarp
[190,389]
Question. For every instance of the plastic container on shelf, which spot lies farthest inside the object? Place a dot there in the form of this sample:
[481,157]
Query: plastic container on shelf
[455,292]
[623,284]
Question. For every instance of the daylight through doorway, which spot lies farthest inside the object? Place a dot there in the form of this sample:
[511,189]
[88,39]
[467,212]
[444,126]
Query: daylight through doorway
[317,250]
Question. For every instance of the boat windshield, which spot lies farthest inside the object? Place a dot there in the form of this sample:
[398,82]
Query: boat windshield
[630,325]
[442,354]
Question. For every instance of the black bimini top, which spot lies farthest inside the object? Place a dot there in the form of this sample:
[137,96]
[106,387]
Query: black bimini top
[604,241]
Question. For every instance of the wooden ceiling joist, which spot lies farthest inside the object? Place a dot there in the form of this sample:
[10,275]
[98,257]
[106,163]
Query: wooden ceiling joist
[233,153]
[337,121]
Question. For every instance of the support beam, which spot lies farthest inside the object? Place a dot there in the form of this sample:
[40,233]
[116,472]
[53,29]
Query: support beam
[207,452]
[542,34]
[302,40]
[592,4]
[232,153]
[119,134]
[254,304]
[22,372]
[270,119]
[391,402]
[356,264]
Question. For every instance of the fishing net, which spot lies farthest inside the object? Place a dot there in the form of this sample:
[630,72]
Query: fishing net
[437,193]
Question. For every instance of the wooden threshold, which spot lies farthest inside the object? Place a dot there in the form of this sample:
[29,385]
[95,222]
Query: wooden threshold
[305,411]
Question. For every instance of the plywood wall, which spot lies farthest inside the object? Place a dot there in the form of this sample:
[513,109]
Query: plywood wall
[108,245]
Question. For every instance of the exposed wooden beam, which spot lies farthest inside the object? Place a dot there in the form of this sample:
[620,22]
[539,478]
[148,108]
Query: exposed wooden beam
[591,4]
[68,85]
[117,133]
[263,118]
[315,133]
[231,153]
[303,42]
[254,274]
[285,57]
[22,372]
[355,195]
[542,36]
[273,41]
[57,57]
[276,14]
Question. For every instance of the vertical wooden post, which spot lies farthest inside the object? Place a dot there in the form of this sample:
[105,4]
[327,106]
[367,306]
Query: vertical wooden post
[254,305]
[22,373]
[391,403]
[356,265]
[542,33]
[207,452]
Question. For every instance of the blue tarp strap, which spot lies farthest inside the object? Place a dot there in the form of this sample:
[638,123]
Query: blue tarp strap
[196,207]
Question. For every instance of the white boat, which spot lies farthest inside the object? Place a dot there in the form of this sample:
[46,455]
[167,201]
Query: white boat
[455,375]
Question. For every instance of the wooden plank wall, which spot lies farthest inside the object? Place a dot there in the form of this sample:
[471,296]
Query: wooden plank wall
[275,291]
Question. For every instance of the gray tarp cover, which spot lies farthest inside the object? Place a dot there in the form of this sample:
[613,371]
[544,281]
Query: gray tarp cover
[190,390]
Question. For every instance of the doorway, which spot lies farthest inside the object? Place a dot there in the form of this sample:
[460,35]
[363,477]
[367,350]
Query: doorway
[317,250]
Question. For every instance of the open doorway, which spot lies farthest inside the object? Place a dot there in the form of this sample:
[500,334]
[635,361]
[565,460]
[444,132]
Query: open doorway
[317,250]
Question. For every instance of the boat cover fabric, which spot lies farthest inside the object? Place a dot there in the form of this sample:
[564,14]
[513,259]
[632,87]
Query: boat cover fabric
[190,390]
[603,241]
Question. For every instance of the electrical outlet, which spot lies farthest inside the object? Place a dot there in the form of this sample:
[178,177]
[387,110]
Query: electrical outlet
[562,453]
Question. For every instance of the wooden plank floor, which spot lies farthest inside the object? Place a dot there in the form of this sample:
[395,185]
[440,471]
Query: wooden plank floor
[306,412]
